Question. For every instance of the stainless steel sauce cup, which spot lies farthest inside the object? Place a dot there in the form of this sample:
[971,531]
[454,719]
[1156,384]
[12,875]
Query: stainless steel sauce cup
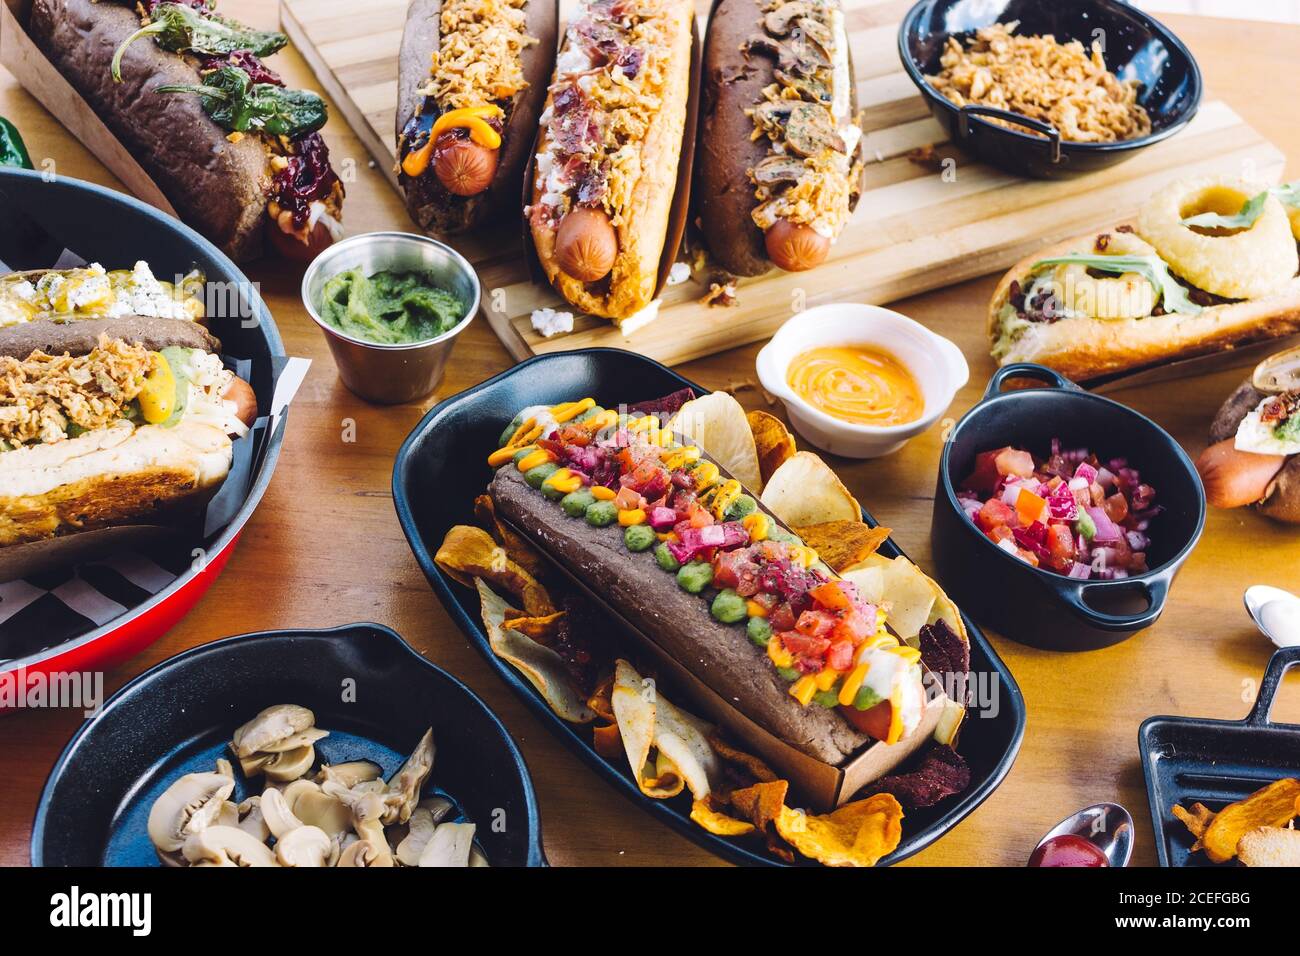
[390,374]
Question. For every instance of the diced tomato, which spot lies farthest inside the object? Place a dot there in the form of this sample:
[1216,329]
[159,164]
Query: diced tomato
[628,499]
[840,655]
[699,517]
[855,626]
[726,569]
[1116,507]
[874,721]
[1013,461]
[985,476]
[1000,533]
[1028,557]
[995,513]
[572,434]
[1030,508]
[767,601]
[1060,547]
[782,617]
[837,595]
[804,645]
[815,623]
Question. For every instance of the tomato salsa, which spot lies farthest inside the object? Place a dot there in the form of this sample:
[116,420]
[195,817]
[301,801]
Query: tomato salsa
[1068,513]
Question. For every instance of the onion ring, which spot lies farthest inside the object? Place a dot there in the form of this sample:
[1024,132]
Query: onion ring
[1126,296]
[1246,264]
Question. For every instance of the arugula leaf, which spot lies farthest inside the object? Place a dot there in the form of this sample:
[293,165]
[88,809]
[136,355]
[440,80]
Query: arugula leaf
[1288,194]
[1172,294]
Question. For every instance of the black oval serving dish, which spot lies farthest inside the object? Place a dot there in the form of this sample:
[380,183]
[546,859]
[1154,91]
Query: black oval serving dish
[442,467]
[1136,47]
[1038,607]
[177,718]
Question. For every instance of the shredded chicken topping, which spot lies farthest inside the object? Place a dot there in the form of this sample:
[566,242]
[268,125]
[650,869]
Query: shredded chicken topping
[44,394]
[1058,83]
[478,56]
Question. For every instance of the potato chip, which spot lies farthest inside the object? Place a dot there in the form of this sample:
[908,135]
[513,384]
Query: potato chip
[541,666]
[870,580]
[773,442]
[719,824]
[843,544]
[517,549]
[468,553]
[804,491]
[717,423]
[1271,806]
[911,596]
[857,834]
[762,803]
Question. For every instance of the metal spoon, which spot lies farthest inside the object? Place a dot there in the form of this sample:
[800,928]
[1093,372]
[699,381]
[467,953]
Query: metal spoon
[1275,612]
[1107,826]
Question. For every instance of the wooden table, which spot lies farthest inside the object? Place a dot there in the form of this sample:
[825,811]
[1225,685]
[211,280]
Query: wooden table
[325,547]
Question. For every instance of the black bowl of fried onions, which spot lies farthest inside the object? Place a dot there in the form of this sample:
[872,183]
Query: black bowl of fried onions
[1116,80]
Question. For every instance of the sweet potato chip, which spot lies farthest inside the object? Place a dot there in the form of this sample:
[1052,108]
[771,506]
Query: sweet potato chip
[804,491]
[468,552]
[843,544]
[773,442]
[1197,819]
[762,803]
[751,765]
[857,834]
[538,628]
[541,666]
[1271,806]
[517,549]
[719,824]
[599,700]
[717,423]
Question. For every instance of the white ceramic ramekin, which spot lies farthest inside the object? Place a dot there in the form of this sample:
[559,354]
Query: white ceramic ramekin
[937,364]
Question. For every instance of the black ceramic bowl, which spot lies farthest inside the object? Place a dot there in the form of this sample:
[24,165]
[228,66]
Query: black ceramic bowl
[442,466]
[1136,47]
[177,718]
[1039,607]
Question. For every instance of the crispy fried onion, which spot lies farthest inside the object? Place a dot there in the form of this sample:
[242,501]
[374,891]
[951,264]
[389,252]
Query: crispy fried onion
[478,57]
[44,394]
[1235,264]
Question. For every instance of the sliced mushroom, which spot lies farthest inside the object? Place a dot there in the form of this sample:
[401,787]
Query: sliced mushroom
[269,727]
[295,790]
[252,766]
[351,773]
[186,807]
[365,853]
[778,169]
[251,820]
[290,764]
[319,809]
[404,787]
[304,846]
[807,127]
[795,54]
[229,815]
[809,87]
[450,845]
[224,768]
[227,846]
[304,739]
[419,832]
[477,857]
[778,21]
[367,811]
[1278,373]
[279,818]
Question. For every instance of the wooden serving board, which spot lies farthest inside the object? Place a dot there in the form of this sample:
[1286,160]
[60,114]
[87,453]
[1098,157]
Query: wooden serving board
[918,225]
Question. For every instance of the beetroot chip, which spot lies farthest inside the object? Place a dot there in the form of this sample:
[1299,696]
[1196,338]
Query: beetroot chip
[947,656]
[661,406]
[941,773]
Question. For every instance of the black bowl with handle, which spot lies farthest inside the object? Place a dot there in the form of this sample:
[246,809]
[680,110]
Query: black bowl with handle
[1135,47]
[1039,607]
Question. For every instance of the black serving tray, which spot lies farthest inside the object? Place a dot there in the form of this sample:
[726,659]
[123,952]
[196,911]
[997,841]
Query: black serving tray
[1215,762]
[177,718]
[442,467]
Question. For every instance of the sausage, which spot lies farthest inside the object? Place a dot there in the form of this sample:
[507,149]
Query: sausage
[585,244]
[465,167]
[1235,478]
[795,247]
[245,399]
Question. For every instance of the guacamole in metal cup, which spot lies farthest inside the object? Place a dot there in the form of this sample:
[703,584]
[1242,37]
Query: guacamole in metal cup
[389,307]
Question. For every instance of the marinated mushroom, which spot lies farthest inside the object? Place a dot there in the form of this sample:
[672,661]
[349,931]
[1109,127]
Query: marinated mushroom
[450,845]
[304,846]
[188,806]
[365,853]
[404,787]
[271,726]
[226,846]
[289,765]
[351,773]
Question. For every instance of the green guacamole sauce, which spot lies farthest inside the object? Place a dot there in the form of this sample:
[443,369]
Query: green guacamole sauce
[389,308]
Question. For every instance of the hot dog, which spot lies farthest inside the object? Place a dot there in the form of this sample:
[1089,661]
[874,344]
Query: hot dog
[186,92]
[1254,455]
[472,80]
[779,170]
[608,154]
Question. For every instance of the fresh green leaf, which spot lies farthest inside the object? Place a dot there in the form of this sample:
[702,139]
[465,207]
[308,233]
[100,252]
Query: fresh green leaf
[1173,295]
[237,104]
[1288,194]
[181,29]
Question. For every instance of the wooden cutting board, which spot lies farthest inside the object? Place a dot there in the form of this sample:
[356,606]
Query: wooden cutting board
[921,223]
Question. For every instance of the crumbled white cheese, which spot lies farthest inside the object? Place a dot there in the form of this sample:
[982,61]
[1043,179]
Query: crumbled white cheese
[548,322]
[144,295]
[679,273]
[640,319]
[1260,437]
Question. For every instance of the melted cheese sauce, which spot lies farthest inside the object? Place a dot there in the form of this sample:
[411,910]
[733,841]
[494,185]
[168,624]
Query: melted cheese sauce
[857,384]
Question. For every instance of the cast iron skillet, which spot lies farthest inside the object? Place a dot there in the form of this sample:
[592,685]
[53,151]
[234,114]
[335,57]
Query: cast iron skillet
[177,718]
[1135,47]
[1215,762]
[1039,607]
[442,467]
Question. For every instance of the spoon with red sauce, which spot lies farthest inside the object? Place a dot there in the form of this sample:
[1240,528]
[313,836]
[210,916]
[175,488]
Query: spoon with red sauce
[1096,836]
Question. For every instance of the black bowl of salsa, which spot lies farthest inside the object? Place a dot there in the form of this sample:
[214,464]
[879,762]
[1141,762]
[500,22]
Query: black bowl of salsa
[1034,605]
